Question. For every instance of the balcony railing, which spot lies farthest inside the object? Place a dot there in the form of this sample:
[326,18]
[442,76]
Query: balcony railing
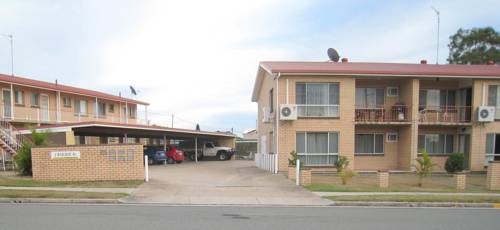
[397,113]
[444,114]
[51,116]
[318,110]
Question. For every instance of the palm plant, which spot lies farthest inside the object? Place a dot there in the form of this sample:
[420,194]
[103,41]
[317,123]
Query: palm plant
[424,167]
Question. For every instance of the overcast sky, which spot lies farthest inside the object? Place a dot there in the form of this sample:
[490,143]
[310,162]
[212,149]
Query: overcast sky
[198,59]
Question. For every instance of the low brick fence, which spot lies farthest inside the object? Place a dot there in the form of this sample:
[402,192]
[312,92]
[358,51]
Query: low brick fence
[88,162]
[493,176]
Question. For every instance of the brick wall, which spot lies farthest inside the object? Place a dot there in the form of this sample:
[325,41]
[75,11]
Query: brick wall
[493,176]
[96,163]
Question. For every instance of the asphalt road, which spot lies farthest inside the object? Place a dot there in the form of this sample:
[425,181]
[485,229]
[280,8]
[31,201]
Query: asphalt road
[144,217]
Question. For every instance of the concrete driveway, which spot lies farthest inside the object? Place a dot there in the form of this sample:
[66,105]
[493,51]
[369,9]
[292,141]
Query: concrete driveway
[225,183]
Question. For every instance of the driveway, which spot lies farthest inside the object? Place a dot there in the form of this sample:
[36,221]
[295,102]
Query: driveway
[214,182]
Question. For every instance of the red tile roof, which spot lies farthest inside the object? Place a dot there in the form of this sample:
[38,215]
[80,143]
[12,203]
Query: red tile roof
[381,69]
[64,88]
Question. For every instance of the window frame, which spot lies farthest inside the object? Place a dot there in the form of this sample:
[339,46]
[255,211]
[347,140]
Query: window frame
[271,100]
[374,147]
[332,96]
[389,88]
[68,100]
[35,100]
[16,102]
[78,111]
[365,90]
[396,134]
[111,108]
[328,153]
[445,138]
[440,102]
[489,155]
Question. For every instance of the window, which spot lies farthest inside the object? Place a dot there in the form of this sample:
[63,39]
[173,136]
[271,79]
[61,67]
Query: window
[435,98]
[101,109]
[494,99]
[80,107]
[131,112]
[392,91]
[317,99]
[492,147]
[436,143]
[392,137]
[35,100]
[317,148]
[111,108]
[271,100]
[19,97]
[369,97]
[369,143]
[66,101]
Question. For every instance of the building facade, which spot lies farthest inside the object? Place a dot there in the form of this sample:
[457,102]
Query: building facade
[379,115]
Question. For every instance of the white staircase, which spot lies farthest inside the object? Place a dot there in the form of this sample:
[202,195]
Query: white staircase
[10,141]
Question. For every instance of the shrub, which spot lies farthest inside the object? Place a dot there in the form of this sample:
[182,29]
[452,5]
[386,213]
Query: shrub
[455,163]
[23,154]
[424,167]
[341,163]
[23,159]
[346,175]
[293,161]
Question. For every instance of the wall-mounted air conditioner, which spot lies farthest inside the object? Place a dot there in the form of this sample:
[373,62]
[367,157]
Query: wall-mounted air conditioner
[486,114]
[288,112]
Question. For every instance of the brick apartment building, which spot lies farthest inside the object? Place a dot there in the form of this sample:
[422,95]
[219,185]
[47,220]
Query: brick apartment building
[379,115]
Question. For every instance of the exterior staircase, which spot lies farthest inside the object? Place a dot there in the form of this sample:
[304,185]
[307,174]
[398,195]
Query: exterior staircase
[10,141]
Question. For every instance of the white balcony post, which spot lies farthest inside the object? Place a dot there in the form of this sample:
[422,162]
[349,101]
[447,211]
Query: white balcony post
[12,101]
[146,114]
[196,149]
[297,173]
[96,111]
[58,107]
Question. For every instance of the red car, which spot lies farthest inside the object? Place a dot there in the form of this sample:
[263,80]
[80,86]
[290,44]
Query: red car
[174,155]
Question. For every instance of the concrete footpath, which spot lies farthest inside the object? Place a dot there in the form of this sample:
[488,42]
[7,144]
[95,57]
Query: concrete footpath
[72,189]
[323,194]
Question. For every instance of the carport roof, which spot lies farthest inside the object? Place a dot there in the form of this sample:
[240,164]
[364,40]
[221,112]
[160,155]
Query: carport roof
[98,128]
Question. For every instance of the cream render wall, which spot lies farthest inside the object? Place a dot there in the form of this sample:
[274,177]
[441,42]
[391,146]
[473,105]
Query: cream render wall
[264,129]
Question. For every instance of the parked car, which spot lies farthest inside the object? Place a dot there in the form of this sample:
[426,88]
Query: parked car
[174,155]
[155,156]
[209,149]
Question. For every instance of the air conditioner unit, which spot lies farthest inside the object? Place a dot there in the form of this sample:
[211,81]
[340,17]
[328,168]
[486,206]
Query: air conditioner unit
[486,114]
[288,112]
[266,115]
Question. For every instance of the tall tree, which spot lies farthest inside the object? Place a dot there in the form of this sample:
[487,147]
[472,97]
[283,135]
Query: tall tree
[474,46]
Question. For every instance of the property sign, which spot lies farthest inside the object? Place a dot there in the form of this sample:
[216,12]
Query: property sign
[65,154]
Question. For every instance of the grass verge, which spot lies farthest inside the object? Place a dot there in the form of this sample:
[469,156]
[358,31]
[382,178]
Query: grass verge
[354,188]
[419,198]
[16,181]
[8,193]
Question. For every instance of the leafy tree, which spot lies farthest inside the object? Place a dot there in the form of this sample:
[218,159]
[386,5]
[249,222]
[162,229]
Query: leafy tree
[293,161]
[23,155]
[424,167]
[474,46]
[455,163]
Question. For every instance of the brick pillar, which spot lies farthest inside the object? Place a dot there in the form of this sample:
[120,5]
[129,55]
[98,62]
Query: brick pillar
[460,180]
[493,176]
[383,179]
[305,176]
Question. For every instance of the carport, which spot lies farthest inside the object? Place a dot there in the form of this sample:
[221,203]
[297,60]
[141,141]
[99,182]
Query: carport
[65,134]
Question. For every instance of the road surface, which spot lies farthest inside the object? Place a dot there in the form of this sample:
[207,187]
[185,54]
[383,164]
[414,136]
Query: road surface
[145,217]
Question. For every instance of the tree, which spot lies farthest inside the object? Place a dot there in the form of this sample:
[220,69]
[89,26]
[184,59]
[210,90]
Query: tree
[474,46]
[23,155]
[455,163]
[341,165]
[424,167]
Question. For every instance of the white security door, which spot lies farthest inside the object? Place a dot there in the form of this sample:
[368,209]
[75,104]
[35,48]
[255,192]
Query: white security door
[44,108]
[7,106]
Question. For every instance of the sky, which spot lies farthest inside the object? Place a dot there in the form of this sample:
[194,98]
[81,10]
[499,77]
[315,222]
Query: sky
[198,59]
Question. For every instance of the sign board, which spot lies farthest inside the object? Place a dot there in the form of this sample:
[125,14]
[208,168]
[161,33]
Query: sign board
[65,154]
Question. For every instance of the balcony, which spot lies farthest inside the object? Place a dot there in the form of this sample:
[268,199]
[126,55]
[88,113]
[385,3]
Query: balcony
[444,114]
[311,110]
[396,114]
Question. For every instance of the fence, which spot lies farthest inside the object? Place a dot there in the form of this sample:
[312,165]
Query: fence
[266,161]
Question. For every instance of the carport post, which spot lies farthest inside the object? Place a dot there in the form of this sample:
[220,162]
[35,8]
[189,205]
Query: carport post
[146,168]
[196,149]
[164,143]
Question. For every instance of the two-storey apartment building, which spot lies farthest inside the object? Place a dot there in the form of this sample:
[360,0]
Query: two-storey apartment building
[379,115]
[31,102]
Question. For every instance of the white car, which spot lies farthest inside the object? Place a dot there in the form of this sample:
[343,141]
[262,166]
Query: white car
[210,150]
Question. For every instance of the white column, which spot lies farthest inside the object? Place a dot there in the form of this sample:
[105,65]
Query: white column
[196,149]
[58,106]
[12,101]
[297,172]
[146,168]
[126,112]
[164,143]
[96,111]
[146,114]
[120,109]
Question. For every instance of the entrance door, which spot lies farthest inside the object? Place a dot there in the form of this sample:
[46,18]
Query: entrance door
[7,106]
[44,107]
[464,147]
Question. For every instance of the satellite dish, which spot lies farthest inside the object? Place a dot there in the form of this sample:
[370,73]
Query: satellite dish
[333,55]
